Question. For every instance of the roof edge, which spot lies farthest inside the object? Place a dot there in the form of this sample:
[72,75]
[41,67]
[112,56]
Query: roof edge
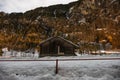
[61,38]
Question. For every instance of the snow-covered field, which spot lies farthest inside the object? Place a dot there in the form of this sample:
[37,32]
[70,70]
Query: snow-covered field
[68,70]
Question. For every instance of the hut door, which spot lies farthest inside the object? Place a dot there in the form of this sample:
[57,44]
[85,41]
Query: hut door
[59,51]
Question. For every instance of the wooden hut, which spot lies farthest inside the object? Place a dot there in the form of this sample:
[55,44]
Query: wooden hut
[57,46]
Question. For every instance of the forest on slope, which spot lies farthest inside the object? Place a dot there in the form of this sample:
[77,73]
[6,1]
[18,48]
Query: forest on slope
[81,21]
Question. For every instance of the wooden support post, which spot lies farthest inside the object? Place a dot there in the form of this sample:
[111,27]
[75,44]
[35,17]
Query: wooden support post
[56,71]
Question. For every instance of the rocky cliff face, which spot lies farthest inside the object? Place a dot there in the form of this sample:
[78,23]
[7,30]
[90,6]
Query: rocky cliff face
[83,20]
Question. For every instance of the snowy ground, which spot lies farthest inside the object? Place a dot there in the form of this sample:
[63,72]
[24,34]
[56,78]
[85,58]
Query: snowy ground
[68,70]
[79,56]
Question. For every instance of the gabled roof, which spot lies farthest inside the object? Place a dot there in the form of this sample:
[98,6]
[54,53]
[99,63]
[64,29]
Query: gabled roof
[60,38]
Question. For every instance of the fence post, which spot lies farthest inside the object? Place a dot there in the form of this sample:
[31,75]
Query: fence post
[56,71]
